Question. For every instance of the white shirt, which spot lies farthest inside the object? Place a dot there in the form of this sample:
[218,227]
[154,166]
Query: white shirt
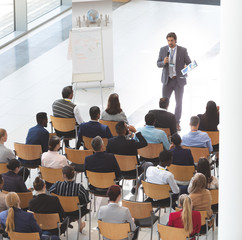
[76,112]
[159,175]
[173,61]
[53,159]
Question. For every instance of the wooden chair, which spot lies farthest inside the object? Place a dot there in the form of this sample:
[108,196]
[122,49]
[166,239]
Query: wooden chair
[182,173]
[24,197]
[143,214]
[78,157]
[87,142]
[50,221]
[151,151]
[126,164]
[24,236]
[3,168]
[198,152]
[100,182]
[208,222]
[111,125]
[214,136]
[167,131]
[172,233]
[72,204]
[114,230]
[158,192]
[214,195]
[51,175]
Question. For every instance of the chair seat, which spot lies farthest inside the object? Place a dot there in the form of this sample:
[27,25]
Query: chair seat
[78,167]
[215,208]
[32,166]
[146,222]
[98,191]
[159,203]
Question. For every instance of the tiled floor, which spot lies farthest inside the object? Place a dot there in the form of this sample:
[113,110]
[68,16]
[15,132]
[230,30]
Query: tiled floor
[139,31]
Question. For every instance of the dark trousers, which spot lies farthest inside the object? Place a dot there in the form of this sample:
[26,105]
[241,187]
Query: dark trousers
[167,90]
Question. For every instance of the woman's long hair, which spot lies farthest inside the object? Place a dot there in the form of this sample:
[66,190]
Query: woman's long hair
[113,104]
[199,183]
[12,200]
[211,117]
[203,167]
[186,204]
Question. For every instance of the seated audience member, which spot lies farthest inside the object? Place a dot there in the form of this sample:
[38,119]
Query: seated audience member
[113,213]
[101,161]
[196,138]
[93,128]
[52,159]
[186,218]
[151,134]
[43,203]
[200,196]
[64,108]
[15,219]
[5,153]
[204,168]
[2,196]
[163,118]
[159,175]
[70,188]
[210,119]
[12,181]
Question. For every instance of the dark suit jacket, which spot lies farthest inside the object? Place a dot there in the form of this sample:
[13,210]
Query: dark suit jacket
[102,162]
[182,59]
[182,156]
[13,182]
[120,145]
[164,119]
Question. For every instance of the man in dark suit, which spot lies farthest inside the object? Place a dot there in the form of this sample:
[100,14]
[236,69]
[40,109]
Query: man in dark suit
[173,59]
[164,119]
[93,128]
[101,161]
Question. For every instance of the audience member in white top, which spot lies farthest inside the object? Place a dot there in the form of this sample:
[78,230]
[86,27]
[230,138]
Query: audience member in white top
[204,168]
[52,159]
[5,153]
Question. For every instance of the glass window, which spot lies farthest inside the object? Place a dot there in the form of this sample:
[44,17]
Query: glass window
[6,17]
[37,8]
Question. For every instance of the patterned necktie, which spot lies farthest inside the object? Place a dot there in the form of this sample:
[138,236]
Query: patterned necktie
[171,62]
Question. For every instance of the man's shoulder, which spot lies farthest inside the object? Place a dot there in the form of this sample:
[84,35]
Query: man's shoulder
[164,48]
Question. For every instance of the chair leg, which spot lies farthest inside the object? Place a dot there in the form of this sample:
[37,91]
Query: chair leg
[151,232]
[122,188]
[90,224]
[94,203]
[136,190]
[81,177]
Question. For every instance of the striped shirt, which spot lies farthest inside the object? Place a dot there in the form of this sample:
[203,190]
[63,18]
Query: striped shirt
[63,109]
[70,188]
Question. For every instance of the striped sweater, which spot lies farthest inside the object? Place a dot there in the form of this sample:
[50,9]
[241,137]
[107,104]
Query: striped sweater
[63,108]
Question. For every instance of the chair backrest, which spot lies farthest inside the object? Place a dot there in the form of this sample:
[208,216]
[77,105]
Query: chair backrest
[152,150]
[171,233]
[88,145]
[3,168]
[156,191]
[111,125]
[63,124]
[167,131]
[77,156]
[101,180]
[47,221]
[214,195]
[198,152]
[138,210]
[182,173]
[68,203]
[126,163]
[27,151]
[204,216]
[24,236]
[51,175]
[114,231]
[214,136]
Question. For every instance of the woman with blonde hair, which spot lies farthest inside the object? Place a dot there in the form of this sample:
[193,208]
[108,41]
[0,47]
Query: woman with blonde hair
[15,219]
[186,218]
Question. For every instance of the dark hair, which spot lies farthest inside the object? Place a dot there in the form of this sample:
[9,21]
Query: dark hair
[38,184]
[2,132]
[165,158]
[69,171]
[176,139]
[1,179]
[97,143]
[194,121]
[113,104]
[164,102]
[120,127]
[203,167]
[171,34]
[53,142]
[93,112]
[67,91]
[13,164]
[40,117]
[150,119]
[113,192]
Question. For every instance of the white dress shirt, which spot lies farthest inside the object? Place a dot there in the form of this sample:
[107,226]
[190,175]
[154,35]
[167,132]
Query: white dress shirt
[173,73]
[53,159]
